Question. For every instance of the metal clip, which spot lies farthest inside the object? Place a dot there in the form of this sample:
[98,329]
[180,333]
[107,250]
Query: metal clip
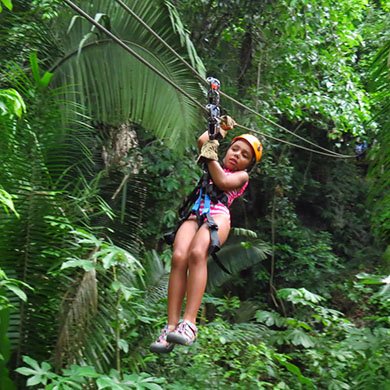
[213,107]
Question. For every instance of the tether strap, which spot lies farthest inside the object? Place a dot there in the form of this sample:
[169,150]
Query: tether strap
[219,263]
[215,244]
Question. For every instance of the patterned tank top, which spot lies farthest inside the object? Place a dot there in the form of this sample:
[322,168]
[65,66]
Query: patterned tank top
[220,208]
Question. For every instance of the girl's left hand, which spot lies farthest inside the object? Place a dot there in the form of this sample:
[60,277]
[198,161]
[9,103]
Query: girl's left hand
[227,122]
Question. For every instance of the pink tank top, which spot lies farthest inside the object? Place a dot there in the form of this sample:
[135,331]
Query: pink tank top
[220,208]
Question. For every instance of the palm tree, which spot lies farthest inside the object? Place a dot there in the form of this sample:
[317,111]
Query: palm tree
[50,161]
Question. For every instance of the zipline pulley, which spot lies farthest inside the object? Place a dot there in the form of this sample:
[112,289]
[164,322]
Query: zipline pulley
[213,108]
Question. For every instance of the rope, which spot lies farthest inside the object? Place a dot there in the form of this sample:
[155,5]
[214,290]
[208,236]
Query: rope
[196,73]
[132,52]
[78,10]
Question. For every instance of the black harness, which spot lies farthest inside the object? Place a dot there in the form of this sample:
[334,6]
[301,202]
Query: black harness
[206,193]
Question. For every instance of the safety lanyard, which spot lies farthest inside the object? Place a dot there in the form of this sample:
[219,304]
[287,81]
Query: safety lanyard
[206,203]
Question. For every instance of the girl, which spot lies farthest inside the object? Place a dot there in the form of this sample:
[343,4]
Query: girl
[188,275]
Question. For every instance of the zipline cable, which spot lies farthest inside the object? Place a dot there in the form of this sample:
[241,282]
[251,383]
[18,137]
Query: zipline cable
[193,100]
[284,141]
[199,76]
[132,52]
[329,152]
[161,40]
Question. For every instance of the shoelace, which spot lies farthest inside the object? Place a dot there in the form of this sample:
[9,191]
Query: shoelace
[184,328]
[163,335]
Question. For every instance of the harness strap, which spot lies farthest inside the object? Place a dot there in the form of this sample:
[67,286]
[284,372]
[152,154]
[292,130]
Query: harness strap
[208,193]
[215,244]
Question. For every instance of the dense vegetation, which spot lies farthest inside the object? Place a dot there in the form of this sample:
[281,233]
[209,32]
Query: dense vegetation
[97,152]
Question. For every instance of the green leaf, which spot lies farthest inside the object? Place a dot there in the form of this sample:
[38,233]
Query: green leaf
[115,285]
[35,67]
[13,104]
[82,371]
[25,371]
[235,258]
[109,260]
[106,382]
[299,295]
[7,3]
[123,345]
[87,265]
[151,386]
[296,371]
[373,279]
[45,79]
[127,293]
[270,318]
[298,337]
[72,22]
[33,363]
[16,290]
[36,380]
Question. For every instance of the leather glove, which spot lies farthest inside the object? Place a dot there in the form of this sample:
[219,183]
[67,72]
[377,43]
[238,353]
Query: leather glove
[227,122]
[209,151]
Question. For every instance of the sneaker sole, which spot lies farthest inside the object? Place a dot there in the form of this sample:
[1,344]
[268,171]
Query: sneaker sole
[160,349]
[177,339]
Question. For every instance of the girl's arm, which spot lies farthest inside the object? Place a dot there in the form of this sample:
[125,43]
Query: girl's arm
[226,182]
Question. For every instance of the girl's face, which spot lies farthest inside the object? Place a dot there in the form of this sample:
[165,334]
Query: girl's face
[239,156]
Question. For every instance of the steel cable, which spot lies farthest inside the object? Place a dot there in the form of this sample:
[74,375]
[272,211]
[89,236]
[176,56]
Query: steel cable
[196,73]
[78,10]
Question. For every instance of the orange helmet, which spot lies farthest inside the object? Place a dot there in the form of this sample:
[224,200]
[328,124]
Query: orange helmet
[253,142]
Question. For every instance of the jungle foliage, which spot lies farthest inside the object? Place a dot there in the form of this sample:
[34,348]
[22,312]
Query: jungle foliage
[97,153]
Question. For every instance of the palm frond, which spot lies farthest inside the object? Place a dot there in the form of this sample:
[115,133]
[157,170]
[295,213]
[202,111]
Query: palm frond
[25,21]
[236,255]
[156,277]
[78,312]
[115,87]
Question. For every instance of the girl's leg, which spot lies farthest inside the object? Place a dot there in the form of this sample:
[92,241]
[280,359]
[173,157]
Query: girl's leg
[179,267]
[197,264]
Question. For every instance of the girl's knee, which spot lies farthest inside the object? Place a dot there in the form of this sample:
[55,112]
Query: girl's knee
[179,259]
[197,256]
